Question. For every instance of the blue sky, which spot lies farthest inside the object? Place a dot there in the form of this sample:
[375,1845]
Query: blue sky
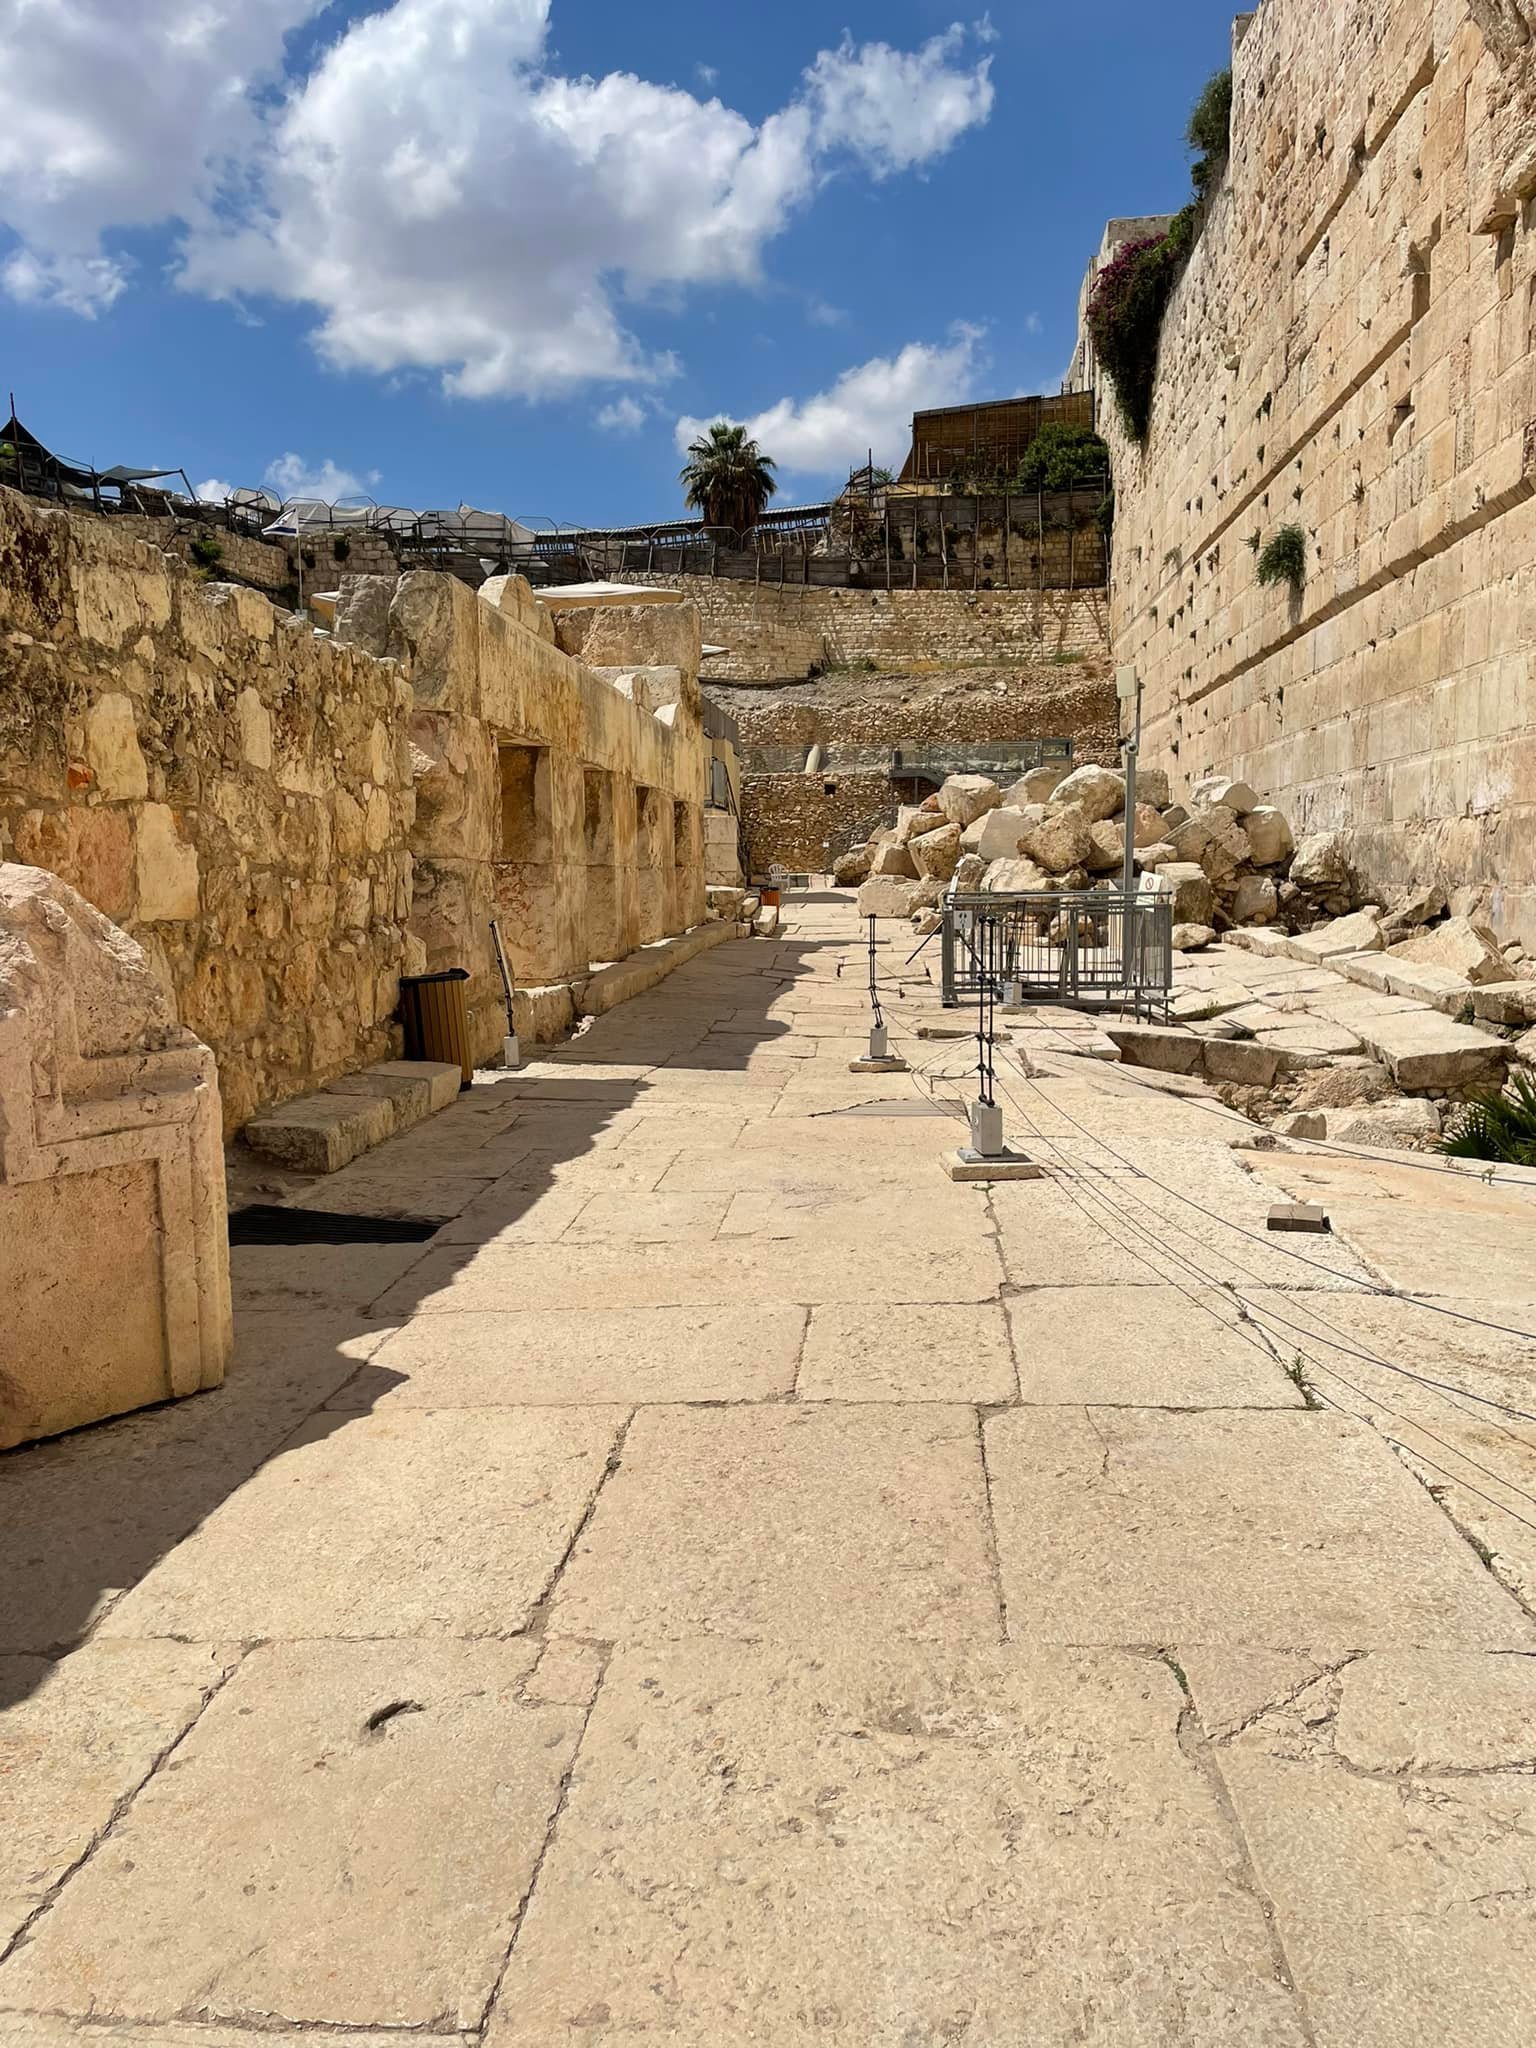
[497,250]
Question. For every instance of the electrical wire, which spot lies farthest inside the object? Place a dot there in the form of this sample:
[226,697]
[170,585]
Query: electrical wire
[1285,1251]
[1267,1350]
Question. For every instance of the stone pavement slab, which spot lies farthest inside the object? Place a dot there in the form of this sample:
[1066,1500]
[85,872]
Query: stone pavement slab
[405,1523]
[319,1853]
[910,1353]
[884,1849]
[1181,1347]
[1280,1531]
[609,1276]
[84,1517]
[85,1735]
[1392,1837]
[576,1356]
[796,1525]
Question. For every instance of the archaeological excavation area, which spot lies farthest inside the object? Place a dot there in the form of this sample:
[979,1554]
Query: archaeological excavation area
[702,1340]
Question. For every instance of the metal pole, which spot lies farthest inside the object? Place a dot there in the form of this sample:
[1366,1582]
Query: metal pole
[1128,687]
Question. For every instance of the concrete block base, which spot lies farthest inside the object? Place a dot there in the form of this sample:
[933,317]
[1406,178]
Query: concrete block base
[1008,1165]
[893,1063]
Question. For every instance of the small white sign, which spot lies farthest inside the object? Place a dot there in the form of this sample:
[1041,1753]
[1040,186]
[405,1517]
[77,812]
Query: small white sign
[1126,685]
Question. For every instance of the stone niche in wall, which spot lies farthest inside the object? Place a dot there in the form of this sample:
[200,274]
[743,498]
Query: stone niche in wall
[114,1260]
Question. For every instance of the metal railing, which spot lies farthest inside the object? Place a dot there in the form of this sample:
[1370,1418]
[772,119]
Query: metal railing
[1060,946]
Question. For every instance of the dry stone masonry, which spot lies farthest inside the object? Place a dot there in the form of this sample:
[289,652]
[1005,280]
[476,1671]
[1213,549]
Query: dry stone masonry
[286,821]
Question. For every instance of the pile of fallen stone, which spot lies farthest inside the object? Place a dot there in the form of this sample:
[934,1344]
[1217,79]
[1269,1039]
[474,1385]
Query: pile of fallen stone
[1225,858]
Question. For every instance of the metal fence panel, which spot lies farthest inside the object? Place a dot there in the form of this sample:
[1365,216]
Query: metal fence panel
[1059,946]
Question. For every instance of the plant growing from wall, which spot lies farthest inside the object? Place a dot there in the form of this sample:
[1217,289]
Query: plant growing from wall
[1497,1124]
[1209,132]
[1125,316]
[1283,558]
[206,551]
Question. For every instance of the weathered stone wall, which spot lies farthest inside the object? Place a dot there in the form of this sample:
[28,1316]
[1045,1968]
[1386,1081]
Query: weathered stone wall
[770,633]
[805,821]
[1353,349]
[264,564]
[287,822]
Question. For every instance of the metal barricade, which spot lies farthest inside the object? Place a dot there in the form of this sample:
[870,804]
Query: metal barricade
[1060,946]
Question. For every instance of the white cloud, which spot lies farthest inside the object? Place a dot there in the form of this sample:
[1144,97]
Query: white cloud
[118,116]
[624,416]
[706,74]
[213,490]
[870,406]
[897,108]
[445,199]
[292,476]
[1033,324]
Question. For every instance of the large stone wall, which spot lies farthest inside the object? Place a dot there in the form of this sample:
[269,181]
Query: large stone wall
[1353,348]
[769,634]
[286,822]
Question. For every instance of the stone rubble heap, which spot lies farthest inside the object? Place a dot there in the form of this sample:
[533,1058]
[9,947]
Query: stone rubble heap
[1226,858]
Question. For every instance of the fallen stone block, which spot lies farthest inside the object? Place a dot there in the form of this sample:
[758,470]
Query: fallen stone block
[998,834]
[1321,862]
[1303,1123]
[766,922]
[1358,933]
[1427,1053]
[1059,843]
[1154,1045]
[321,1133]
[886,896]
[937,854]
[1255,900]
[1266,944]
[1194,901]
[1460,946]
[852,868]
[1193,938]
[1269,836]
[1106,847]
[1237,797]
[896,861]
[1505,1002]
[1152,787]
[1524,1048]
[1006,877]
[1040,784]
[964,797]
[1386,1124]
[1349,1083]
[1245,1062]
[723,901]
[1097,792]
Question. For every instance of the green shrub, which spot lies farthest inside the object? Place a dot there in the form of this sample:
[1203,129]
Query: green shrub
[1283,558]
[1497,1124]
[1060,456]
[205,550]
[1209,132]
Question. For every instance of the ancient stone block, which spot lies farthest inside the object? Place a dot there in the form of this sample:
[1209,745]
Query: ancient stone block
[113,1253]
[936,854]
[886,896]
[999,833]
[893,861]
[964,797]
[1061,842]
[1098,792]
[1460,945]
[1269,836]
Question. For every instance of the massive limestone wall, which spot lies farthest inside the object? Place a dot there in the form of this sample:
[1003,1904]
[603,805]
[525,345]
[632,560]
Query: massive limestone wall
[286,821]
[769,634]
[1353,348]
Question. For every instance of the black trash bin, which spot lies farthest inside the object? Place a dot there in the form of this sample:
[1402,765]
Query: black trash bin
[436,1019]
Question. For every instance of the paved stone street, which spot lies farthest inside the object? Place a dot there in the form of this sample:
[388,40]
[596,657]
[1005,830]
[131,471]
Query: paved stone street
[733,1585]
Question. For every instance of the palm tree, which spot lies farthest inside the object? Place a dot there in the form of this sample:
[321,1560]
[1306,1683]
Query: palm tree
[728,477]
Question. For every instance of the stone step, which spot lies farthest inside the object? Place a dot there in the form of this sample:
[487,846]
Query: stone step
[323,1132]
